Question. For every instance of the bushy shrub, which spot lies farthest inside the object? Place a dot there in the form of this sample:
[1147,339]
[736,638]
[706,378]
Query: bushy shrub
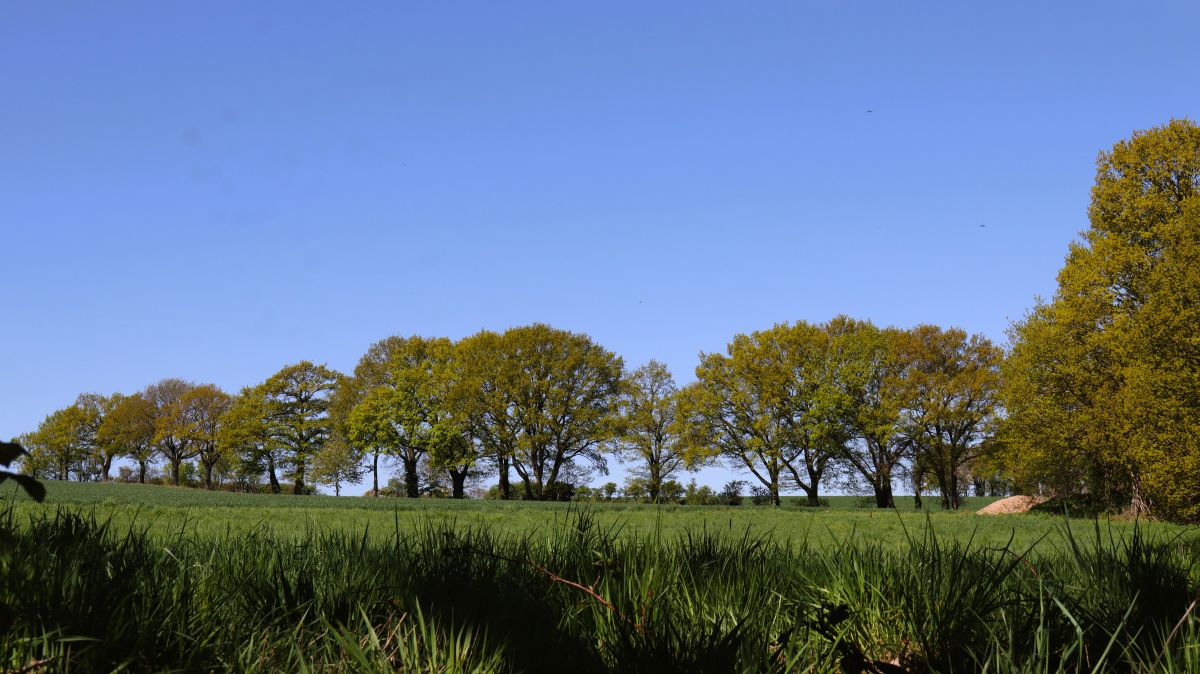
[760,495]
[559,491]
[731,493]
[671,492]
[699,494]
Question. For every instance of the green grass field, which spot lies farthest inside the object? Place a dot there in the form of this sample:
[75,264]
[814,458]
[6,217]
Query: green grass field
[111,577]
[170,511]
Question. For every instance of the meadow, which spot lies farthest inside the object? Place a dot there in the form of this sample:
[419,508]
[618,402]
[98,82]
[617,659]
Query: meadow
[106,577]
[169,511]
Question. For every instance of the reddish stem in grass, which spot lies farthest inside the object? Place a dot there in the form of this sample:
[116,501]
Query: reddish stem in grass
[590,590]
[33,666]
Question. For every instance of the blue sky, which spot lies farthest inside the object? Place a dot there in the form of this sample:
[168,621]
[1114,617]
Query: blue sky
[214,190]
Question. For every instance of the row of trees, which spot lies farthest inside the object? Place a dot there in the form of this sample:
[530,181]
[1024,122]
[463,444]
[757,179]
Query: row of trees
[796,406]
[1098,396]
[280,425]
[792,403]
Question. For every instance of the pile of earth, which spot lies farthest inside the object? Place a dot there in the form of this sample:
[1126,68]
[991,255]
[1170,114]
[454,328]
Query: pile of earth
[1013,505]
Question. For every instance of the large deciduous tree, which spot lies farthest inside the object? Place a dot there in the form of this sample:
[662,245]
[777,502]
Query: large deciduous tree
[98,455]
[64,437]
[951,401]
[870,375]
[297,406]
[541,398]
[648,430]
[408,412]
[203,410]
[128,430]
[370,373]
[171,437]
[246,432]
[767,405]
[338,463]
[483,394]
[1101,382]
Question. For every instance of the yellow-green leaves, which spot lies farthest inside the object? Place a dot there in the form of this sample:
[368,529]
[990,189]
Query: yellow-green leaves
[1101,384]
[538,399]
[648,433]
[764,406]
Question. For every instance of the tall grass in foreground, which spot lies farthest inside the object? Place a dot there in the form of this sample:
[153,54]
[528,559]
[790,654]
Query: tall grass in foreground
[81,596]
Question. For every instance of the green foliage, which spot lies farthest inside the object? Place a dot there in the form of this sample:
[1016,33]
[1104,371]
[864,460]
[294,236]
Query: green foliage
[869,396]
[65,437]
[731,493]
[539,399]
[171,434]
[129,429]
[951,404]
[408,413]
[648,430]
[203,409]
[246,433]
[1100,384]
[297,413]
[770,405]
[336,464]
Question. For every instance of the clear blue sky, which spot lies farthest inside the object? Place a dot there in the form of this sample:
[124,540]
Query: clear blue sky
[212,190]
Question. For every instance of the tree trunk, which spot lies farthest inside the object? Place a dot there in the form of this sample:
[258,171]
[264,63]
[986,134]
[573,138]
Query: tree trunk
[175,470]
[883,495]
[457,481]
[275,488]
[375,474]
[812,497]
[1138,503]
[918,478]
[207,475]
[505,487]
[411,486]
[141,472]
[298,488]
[107,465]
[655,486]
[944,488]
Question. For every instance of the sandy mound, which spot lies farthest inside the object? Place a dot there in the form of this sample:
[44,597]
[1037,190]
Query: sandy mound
[1010,506]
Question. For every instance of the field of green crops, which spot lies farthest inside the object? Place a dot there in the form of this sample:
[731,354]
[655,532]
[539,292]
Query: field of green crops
[162,511]
[109,577]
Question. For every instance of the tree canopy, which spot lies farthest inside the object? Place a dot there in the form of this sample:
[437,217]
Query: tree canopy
[1101,385]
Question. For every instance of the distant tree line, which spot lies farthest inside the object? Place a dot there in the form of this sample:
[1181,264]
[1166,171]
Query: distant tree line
[541,409]
[1096,400]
